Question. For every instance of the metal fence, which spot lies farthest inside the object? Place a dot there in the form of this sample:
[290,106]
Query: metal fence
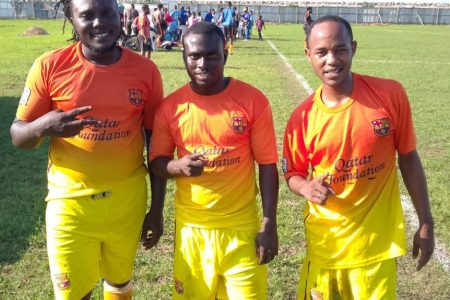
[27,10]
[354,14]
[276,14]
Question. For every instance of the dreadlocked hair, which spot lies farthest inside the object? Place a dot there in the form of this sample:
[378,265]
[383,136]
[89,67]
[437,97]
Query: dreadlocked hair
[67,14]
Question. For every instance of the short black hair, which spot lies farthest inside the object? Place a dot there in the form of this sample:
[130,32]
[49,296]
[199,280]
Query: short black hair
[205,28]
[330,18]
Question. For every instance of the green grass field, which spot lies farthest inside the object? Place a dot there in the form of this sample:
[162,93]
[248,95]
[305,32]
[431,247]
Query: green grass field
[416,56]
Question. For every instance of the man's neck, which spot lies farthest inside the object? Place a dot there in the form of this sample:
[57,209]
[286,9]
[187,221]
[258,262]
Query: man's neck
[105,58]
[336,96]
[213,90]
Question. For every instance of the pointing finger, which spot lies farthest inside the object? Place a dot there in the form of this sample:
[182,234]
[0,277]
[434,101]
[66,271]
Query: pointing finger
[81,123]
[78,111]
[89,121]
[195,156]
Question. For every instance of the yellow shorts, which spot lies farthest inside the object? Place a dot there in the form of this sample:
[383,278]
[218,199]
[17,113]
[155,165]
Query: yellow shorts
[92,237]
[374,281]
[217,264]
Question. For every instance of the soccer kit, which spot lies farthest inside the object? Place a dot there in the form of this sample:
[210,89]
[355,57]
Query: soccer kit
[356,145]
[216,213]
[90,174]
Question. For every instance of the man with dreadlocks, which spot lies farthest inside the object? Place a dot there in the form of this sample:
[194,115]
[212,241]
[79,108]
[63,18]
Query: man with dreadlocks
[91,102]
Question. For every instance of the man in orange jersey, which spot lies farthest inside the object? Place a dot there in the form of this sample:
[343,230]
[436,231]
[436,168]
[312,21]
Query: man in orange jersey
[91,102]
[220,127]
[143,25]
[348,134]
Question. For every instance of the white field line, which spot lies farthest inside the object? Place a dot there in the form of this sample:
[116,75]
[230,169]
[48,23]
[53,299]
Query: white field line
[299,77]
[440,253]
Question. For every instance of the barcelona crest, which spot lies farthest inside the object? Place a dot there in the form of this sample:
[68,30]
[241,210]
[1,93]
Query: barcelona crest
[381,127]
[240,124]
[61,281]
[179,286]
[135,96]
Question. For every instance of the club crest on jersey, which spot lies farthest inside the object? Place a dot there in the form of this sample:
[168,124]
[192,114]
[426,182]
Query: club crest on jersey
[381,127]
[135,96]
[61,281]
[179,286]
[240,124]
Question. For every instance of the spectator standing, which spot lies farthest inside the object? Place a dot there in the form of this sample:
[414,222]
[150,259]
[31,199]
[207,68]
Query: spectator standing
[228,26]
[246,19]
[192,19]
[209,16]
[160,26]
[307,20]
[252,23]
[129,15]
[142,24]
[199,17]
[183,21]
[260,25]
[218,18]
[183,16]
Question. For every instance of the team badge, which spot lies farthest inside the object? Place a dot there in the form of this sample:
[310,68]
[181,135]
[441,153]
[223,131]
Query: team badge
[61,281]
[179,286]
[135,96]
[25,96]
[381,127]
[240,124]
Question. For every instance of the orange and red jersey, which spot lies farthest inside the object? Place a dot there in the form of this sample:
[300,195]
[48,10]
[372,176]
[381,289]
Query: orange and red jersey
[356,144]
[124,97]
[143,24]
[232,129]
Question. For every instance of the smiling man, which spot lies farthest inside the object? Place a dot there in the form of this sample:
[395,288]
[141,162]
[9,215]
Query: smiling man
[340,147]
[219,127]
[93,105]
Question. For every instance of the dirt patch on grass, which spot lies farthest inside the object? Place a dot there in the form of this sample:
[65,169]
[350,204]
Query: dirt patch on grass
[35,31]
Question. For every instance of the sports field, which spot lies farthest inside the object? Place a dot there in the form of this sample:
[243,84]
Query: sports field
[417,56]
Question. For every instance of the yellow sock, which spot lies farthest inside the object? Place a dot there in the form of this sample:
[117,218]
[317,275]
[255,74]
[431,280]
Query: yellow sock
[231,48]
[113,293]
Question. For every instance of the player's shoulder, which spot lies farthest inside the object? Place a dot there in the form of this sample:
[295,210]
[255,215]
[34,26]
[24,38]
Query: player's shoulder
[56,55]
[179,95]
[303,108]
[379,83]
[134,58]
[245,90]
